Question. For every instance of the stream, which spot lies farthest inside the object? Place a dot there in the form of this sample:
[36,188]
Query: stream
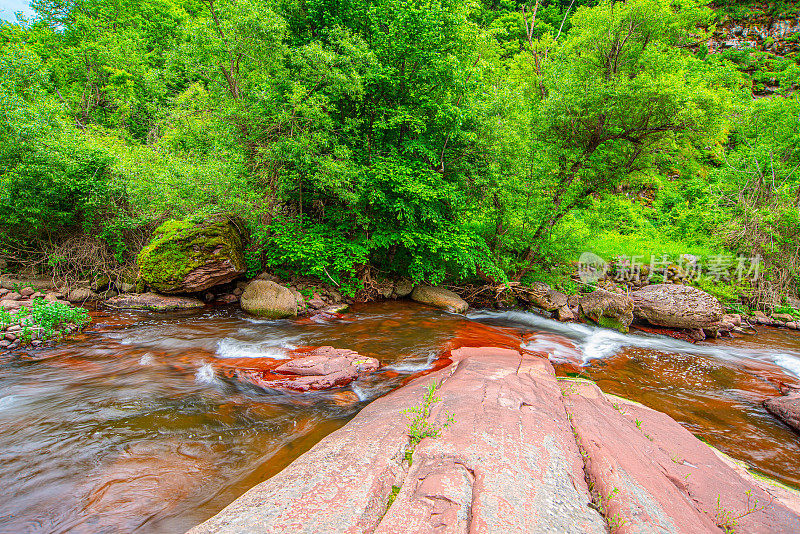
[135,425]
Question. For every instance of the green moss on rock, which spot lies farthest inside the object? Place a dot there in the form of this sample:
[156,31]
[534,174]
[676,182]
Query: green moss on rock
[184,257]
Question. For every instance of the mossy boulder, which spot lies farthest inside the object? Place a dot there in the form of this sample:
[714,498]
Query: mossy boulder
[187,257]
[610,310]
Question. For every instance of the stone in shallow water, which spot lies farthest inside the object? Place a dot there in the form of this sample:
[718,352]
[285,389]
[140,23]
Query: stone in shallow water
[265,298]
[786,408]
[440,298]
[152,302]
[323,368]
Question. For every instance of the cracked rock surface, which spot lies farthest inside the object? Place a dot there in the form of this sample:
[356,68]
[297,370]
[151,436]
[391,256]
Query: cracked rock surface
[527,452]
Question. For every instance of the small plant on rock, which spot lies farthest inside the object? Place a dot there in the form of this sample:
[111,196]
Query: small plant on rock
[419,425]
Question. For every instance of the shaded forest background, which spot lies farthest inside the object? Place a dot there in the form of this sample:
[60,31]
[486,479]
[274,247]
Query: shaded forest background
[443,140]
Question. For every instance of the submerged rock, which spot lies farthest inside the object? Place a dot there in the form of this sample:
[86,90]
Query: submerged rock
[152,302]
[786,408]
[611,310]
[676,306]
[265,298]
[184,257]
[440,298]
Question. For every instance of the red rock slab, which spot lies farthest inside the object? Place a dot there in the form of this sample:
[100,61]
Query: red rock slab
[341,485]
[509,462]
[659,476]
[626,469]
[707,477]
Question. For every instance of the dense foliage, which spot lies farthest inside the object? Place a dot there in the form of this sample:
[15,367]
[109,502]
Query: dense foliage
[435,139]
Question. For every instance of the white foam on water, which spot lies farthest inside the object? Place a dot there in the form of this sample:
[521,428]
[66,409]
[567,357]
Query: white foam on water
[205,374]
[9,401]
[595,342]
[409,367]
[234,348]
[146,359]
[788,362]
[360,393]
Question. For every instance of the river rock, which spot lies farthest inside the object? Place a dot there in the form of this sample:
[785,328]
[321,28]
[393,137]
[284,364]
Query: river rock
[676,306]
[564,313]
[184,257]
[440,298]
[152,302]
[265,298]
[786,408]
[611,310]
[784,317]
[403,288]
[324,368]
[545,297]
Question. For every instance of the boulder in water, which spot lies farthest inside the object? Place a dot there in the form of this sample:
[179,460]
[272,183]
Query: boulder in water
[785,408]
[323,368]
[152,302]
[265,298]
[611,310]
[440,298]
[186,257]
[676,306]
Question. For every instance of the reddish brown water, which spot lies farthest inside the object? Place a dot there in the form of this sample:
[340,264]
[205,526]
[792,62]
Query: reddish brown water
[132,426]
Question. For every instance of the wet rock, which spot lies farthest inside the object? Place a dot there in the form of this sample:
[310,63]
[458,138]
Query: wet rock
[185,257]
[316,303]
[564,313]
[227,298]
[784,317]
[334,309]
[403,288]
[152,302]
[324,368]
[676,306]
[607,309]
[792,325]
[265,298]
[786,408]
[516,458]
[440,298]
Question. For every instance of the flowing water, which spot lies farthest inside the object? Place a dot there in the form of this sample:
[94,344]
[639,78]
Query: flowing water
[135,425]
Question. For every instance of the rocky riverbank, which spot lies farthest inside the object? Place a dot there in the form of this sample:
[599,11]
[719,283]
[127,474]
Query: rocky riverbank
[524,452]
[31,316]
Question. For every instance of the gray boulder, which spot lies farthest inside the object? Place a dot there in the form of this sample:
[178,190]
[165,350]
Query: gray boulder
[152,302]
[676,306]
[440,298]
[265,298]
[611,310]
